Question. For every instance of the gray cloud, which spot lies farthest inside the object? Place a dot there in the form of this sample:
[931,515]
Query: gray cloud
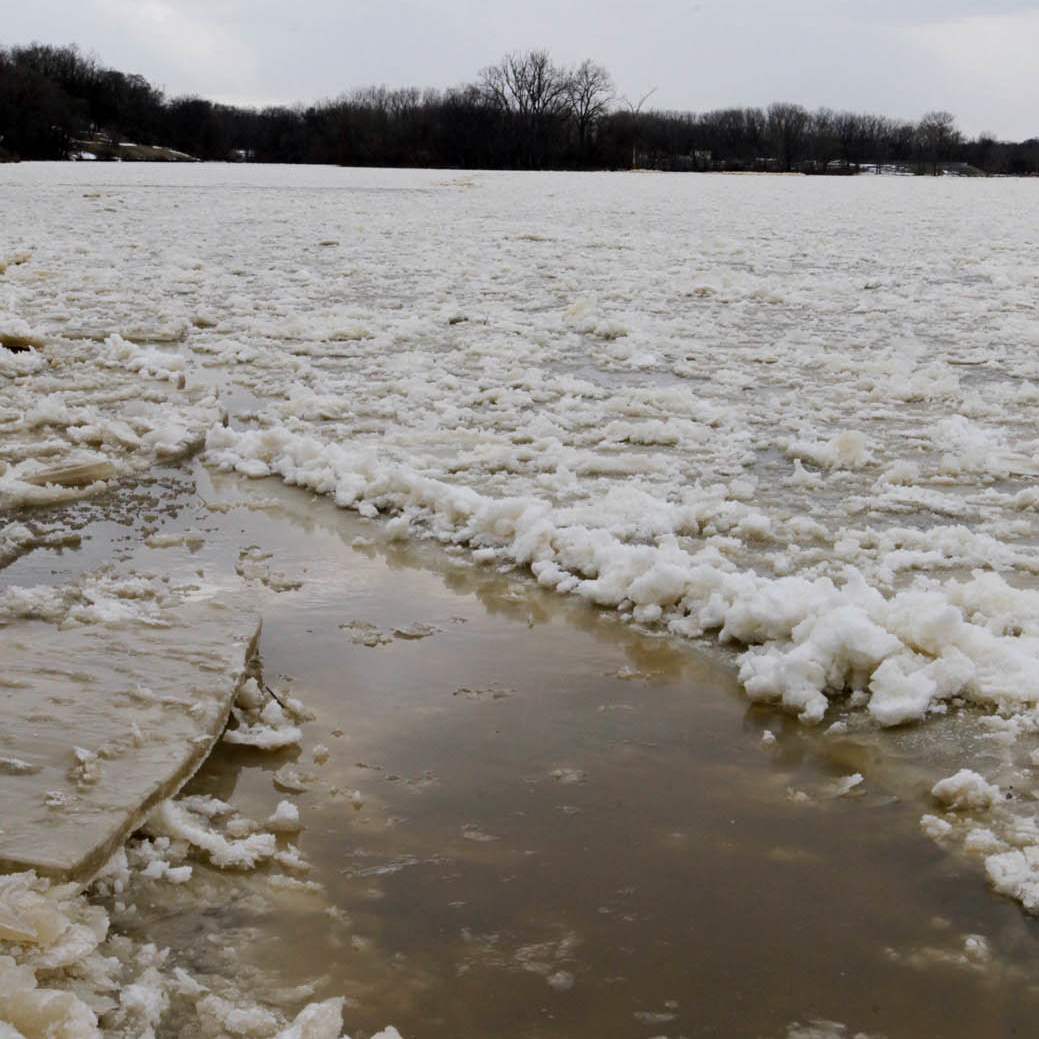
[970,56]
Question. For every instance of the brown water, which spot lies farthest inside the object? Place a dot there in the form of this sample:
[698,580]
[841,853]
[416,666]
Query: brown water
[569,828]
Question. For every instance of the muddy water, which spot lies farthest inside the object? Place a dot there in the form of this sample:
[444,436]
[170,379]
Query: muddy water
[566,828]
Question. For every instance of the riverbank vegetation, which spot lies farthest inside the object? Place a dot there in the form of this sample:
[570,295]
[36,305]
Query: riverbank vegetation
[526,112]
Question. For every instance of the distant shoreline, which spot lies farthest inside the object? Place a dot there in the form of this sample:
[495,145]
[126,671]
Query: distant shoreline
[863,171]
[525,113]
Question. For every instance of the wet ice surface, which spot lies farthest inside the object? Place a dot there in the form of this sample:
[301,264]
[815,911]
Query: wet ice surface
[115,689]
[533,820]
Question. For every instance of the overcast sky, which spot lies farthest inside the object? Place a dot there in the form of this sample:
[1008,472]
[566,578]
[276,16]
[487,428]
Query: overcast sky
[976,58]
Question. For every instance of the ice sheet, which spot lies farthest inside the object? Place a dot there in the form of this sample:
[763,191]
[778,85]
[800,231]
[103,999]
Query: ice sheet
[111,700]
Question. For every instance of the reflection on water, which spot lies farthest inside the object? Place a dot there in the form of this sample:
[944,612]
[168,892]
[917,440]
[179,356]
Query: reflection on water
[566,828]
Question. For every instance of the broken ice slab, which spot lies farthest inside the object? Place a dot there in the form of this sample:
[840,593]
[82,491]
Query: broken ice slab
[73,475]
[108,712]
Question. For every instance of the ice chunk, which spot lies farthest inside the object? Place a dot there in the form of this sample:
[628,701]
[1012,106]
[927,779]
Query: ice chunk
[904,687]
[284,819]
[966,789]
[172,819]
[845,785]
[1016,874]
[112,647]
[317,1021]
[561,981]
[265,737]
[934,827]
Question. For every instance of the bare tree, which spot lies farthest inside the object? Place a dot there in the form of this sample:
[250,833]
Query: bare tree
[533,89]
[853,134]
[635,110]
[937,136]
[787,128]
[823,134]
[529,83]
[589,93]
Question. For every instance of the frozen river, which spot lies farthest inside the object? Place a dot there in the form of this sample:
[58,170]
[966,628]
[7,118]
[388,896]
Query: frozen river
[798,413]
[793,419]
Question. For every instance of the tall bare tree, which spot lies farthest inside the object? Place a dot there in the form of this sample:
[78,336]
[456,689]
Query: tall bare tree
[822,129]
[787,128]
[937,136]
[589,92]
[534,90]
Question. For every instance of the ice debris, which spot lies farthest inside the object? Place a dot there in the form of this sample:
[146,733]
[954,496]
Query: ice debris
[966,789]
[284,819]
[65,975]
[261,721]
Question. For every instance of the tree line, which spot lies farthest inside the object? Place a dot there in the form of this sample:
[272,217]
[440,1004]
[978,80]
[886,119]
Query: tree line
[525,112]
